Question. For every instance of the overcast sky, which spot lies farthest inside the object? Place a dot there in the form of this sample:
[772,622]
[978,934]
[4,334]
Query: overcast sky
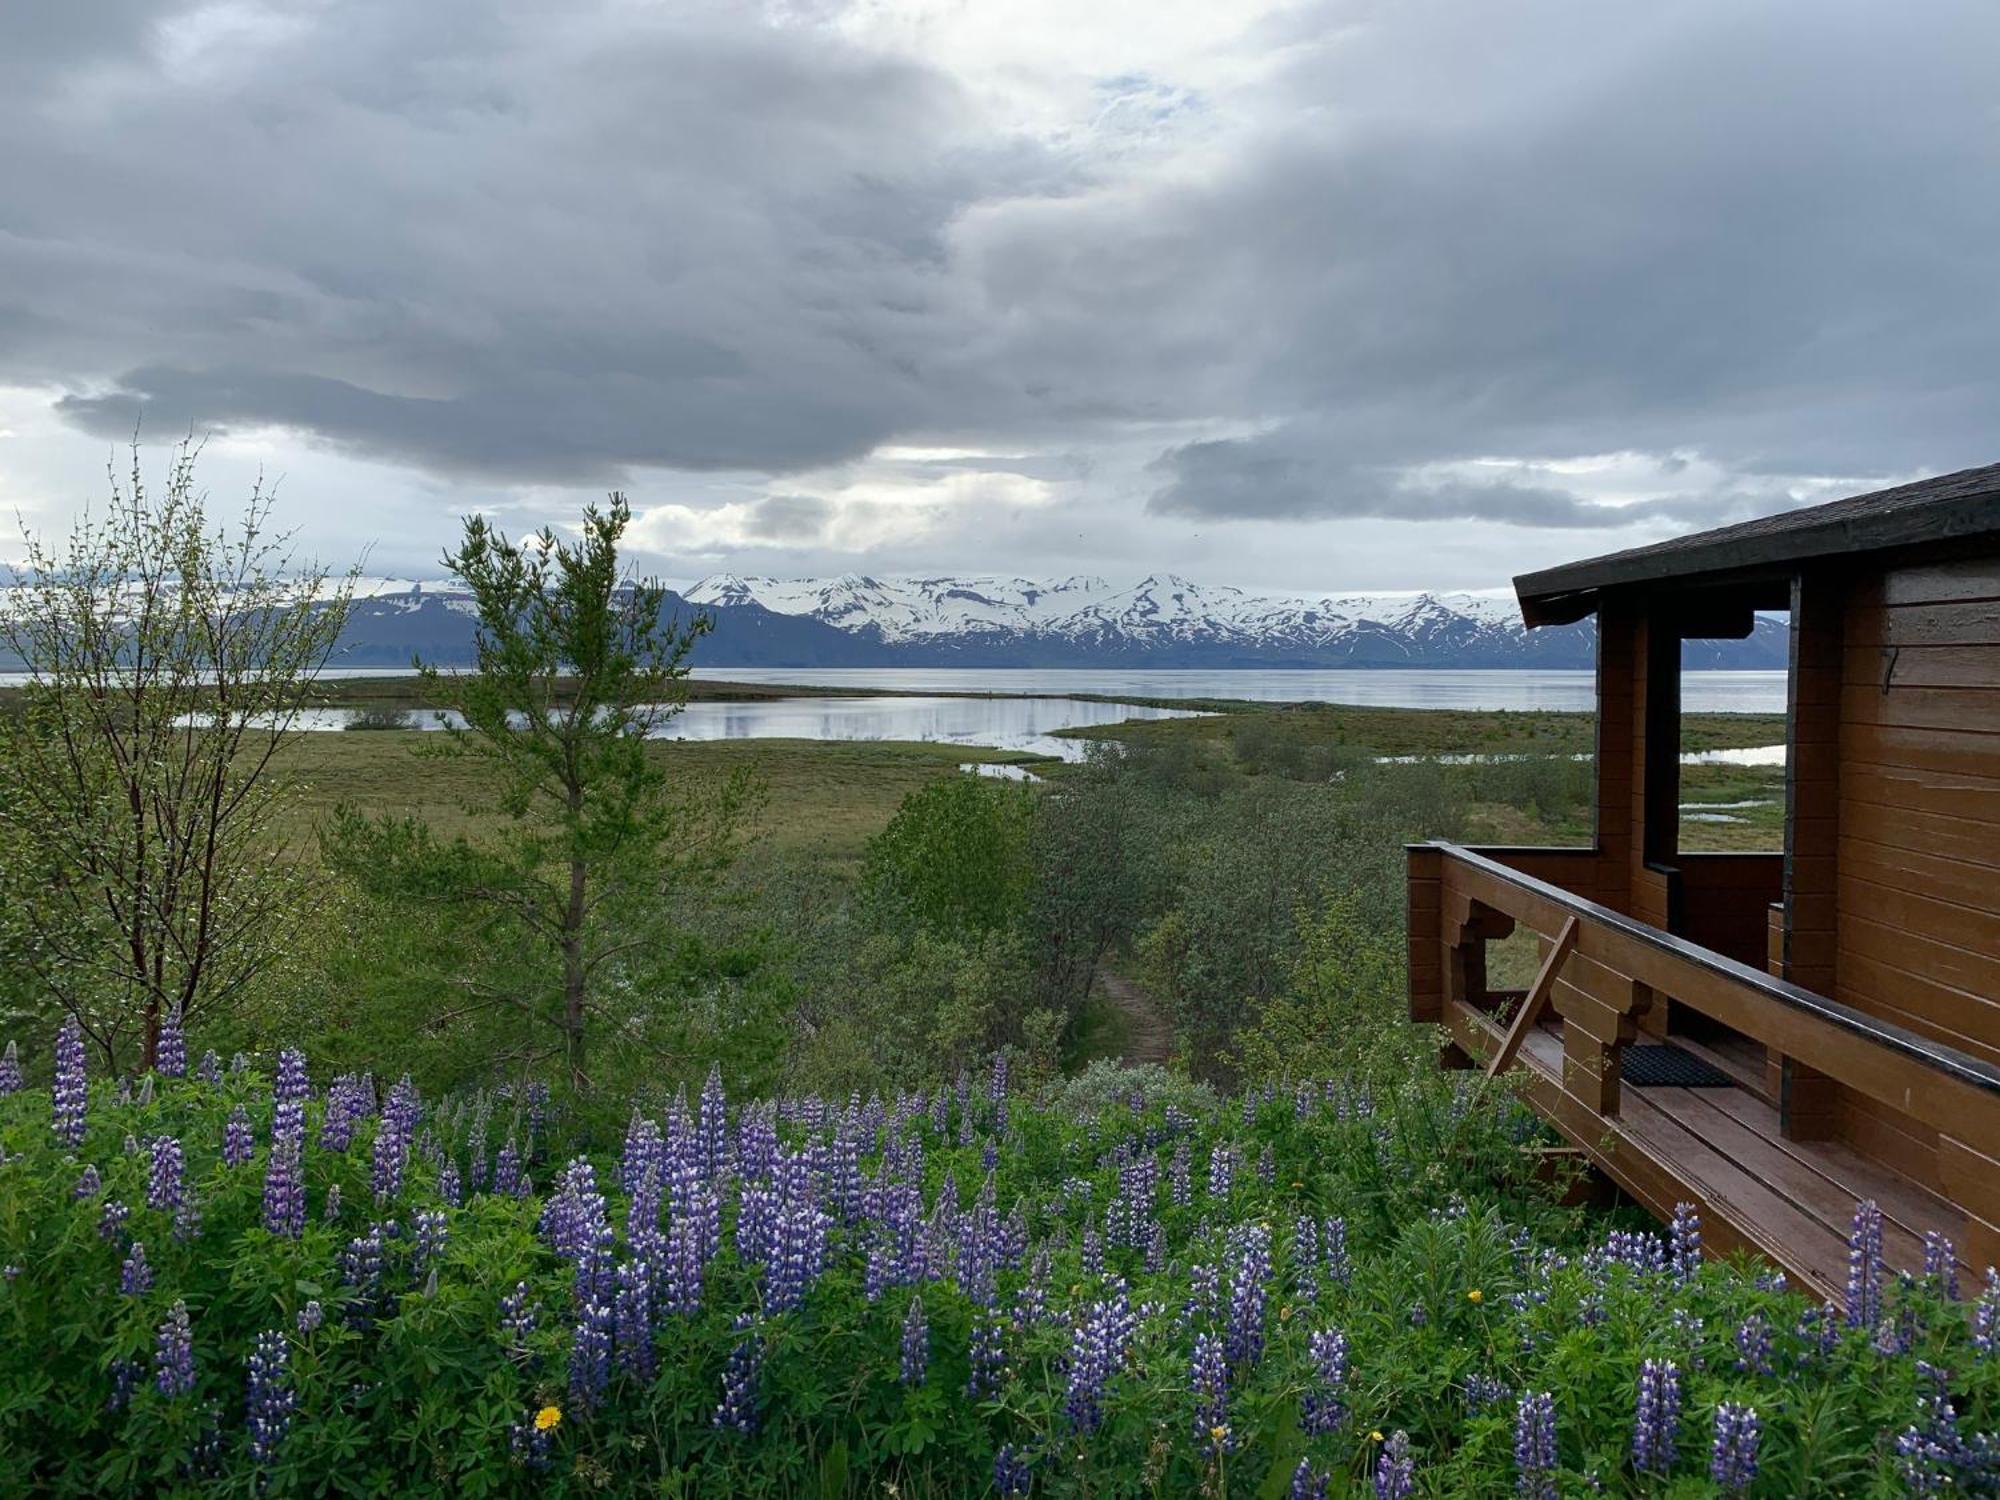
[1300,296]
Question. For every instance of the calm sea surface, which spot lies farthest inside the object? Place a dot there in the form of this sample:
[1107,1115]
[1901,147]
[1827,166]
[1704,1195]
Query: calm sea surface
[1701,692]
[929,711]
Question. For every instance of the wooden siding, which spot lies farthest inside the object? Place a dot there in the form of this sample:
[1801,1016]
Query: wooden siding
[1916,875]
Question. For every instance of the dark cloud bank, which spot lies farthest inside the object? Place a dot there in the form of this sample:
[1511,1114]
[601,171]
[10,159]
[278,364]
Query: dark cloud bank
[558,241]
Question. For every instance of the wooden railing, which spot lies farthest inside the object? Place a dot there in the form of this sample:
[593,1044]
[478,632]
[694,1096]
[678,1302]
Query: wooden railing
[1618,968]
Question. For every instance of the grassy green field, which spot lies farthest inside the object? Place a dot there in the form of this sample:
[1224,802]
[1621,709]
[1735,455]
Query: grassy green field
[1429,731]
[826,797]
[829,797]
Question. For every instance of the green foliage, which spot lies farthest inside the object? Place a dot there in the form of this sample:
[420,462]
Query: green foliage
[1341,1013]
[1458,1277]
[144,865]
[576,665]
[954,858]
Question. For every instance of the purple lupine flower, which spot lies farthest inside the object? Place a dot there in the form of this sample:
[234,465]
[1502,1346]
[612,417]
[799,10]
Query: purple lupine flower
[1309,1483]
[285,1189]
[360,1267]
[1091,1253]
[209,1069]
[519,1313]
[1941,1263]
[531,1443]
[1322,1409]
[1986,1317]
[405,1106]
[336,1126]
[173,1353]
[1221,1170]
[712,1140]
[331,1212]
[1180,1169]
[170,1056]
[737,1412]
[1098,1345]
[89,1182]
[10,1070]
[1753,1345]
[311,1316]
[69,1095]
[1012,1473]
[1535,1446]
[1333,1251]
[239,1141]
[1395,1470]
[289,1091]
[1864,1266]
[590,1354]
[449,1186]
[632,1319]
[270,1398]
[1208,1378]
[1249,1293]
[1684,1242]
[391,1156]
[431,1231]
[507,1170]
[915,1362]
[124,1380]
[1733,1456]
[1656,1423]
[986,1355]
[111,1219]
[1204,1292]
[165,1175]
[135,1276]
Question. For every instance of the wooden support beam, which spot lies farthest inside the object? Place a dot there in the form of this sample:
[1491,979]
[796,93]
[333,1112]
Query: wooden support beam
[1537,1000]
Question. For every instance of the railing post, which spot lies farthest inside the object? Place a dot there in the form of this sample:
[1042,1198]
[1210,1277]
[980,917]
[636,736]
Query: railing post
[1426,929]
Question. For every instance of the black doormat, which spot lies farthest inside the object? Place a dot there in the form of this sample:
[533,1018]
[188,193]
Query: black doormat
[1659,1065]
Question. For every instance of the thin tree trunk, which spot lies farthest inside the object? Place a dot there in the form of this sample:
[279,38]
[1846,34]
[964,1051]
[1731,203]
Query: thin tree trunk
[573,972]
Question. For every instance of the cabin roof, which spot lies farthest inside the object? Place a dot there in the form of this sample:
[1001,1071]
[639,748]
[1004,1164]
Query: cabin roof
[1949,507]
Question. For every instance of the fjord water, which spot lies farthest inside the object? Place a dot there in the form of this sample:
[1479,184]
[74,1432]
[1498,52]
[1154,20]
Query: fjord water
[945,705]
[1484,689]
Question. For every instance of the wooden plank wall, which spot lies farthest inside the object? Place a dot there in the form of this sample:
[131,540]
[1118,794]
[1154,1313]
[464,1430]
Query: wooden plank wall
[1917,870]
[1726,900]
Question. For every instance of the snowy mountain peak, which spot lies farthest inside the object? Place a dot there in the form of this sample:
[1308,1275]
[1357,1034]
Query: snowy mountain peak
[1159,610]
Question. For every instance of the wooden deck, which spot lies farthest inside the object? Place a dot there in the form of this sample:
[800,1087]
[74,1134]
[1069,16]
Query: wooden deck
[1784,1189]
[1722,1149]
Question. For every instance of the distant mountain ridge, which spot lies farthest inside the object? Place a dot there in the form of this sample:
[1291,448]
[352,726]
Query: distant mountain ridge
[959,620]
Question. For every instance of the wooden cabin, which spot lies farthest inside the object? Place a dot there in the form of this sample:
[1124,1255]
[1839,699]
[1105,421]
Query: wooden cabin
[1771,1036]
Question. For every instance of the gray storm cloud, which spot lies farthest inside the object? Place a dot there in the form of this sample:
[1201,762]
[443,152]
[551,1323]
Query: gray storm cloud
[558,243]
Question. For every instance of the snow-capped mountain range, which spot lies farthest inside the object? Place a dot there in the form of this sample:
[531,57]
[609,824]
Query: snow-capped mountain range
[968,620]
[1165,620]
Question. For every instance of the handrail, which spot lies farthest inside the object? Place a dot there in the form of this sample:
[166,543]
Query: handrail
[1947,1060]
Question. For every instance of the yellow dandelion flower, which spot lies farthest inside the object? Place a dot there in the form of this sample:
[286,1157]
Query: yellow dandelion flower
[1218,1433]
[1375,1436]
[1475,1295]
[547,1418]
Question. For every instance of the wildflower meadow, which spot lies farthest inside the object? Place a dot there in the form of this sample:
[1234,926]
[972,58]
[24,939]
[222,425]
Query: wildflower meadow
[248,1280]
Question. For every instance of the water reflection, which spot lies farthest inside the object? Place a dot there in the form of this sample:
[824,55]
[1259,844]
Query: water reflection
[1021,724]
[1485,689]
[1027,725]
